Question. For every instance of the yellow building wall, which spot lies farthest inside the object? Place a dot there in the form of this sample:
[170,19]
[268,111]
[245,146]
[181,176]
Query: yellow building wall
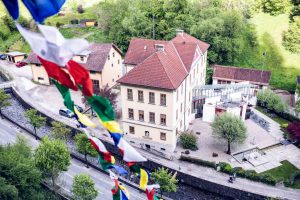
[39,72]
[111,73]
[90,24]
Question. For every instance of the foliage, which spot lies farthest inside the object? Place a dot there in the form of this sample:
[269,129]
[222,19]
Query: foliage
[7,191]
[188,141]
[36,120]
[294,130]
[275,7]
[198,161]
[283,172]
[165,179]
[229,127]
[84,188]
[60,131]
[80,9]
[277,118]
[249,174]
[21,179]
[4,100]
[295,11]
[291,38]
[271,100]
[84,146]
[52,157]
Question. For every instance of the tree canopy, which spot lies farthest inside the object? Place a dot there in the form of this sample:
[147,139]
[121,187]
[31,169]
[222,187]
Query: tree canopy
[52,157]
[60,131]
[230,128]
[83,145]
[36,120]
[275,7]
[4,100]
[165,179]
[84,188]
[291,38]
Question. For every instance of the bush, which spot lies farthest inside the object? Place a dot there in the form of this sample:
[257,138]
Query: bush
[188,141]
[293,177]
[198,161]
[226,168]
[270,100]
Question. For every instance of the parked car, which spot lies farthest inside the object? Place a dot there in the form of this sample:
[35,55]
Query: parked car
[80,109]
[3,56]
[21,64]
[66,113]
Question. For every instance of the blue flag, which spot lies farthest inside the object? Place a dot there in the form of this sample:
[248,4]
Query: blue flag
[39,9]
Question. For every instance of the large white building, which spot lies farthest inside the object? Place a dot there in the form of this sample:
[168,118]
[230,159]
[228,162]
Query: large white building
[156,92]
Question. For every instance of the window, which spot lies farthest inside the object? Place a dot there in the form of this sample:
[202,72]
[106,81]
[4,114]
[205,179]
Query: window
[93,72]
[131,129]
[181,89]
[113,80]
[190,79]
[112,64]
[152,117]
[140,96]
[147,134]
[118,61]
[113,54]
[95,84]
[108,57]
[40,78]
[163,99]
[163,136]
[141,115]
[177,94]
[162,119]
[181,107]
[151,97]
[176,114]
[81,58]
[130,113]
[129,94]
[38,65]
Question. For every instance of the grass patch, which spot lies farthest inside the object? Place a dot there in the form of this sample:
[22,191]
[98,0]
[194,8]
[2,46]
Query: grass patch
[283,172]
[273,116]
[92,34]
[285,66]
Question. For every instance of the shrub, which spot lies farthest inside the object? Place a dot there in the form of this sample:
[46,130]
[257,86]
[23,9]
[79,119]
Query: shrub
[188,141]
[268,99]
[198,161]
[226,168]
[294,176]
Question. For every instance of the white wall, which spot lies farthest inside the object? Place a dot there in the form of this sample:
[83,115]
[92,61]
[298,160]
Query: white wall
[208,113]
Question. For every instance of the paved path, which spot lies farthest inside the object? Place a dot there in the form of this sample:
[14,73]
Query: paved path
[9,133]
[197,171]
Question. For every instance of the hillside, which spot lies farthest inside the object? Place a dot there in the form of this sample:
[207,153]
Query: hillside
[287,65]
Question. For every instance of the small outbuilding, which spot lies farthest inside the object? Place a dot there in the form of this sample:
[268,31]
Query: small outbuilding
[88,22]
[15,56]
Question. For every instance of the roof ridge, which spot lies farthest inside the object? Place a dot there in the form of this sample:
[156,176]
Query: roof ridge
[179,57]
[166,71]
[247,68]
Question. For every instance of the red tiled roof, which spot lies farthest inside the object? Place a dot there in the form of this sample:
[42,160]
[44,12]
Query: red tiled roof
[161,69]
[186,38]
[140,49]
[96,59]
[241,74]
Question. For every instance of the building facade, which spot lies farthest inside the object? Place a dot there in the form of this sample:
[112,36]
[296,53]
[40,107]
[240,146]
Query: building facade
[104,62]
[230,75]
[156,91]
[15,56]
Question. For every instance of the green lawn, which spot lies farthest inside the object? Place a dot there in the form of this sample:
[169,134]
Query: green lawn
[283,172]
[285,70]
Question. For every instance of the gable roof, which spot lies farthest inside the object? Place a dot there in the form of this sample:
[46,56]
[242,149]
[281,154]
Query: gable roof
[15,53]
[160,69]
[97,56]
[242,74]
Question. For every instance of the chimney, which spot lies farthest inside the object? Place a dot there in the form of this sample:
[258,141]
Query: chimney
[159,47]
[179,32]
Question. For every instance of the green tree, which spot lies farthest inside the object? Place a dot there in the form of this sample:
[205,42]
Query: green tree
[52,157]
[60,131]
[36,120]
[230,128]
[4,101]
[267,98]
[8,191]
[275,7]
[18,167]
[84,188]
[188,141]
[84,146]
[291,37]
[167,181]
[295,11]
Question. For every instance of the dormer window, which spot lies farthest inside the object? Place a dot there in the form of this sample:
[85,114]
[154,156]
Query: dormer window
[113,54]
[82,58]
[159,47]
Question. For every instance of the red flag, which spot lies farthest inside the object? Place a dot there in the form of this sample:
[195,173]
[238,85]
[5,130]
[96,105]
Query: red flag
[81,77]
[57,73]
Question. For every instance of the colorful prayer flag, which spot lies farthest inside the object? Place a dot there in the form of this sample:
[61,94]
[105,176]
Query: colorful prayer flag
[151,193]
[12,7]
[130,154]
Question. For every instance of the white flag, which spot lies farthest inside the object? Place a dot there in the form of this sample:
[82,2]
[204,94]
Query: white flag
[130,153]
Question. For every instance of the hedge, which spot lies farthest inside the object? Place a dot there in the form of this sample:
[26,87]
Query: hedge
[249,174]
[198,161]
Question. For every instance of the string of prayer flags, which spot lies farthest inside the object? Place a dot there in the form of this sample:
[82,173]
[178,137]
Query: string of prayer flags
[39,9]
[150,192]
[51,45]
